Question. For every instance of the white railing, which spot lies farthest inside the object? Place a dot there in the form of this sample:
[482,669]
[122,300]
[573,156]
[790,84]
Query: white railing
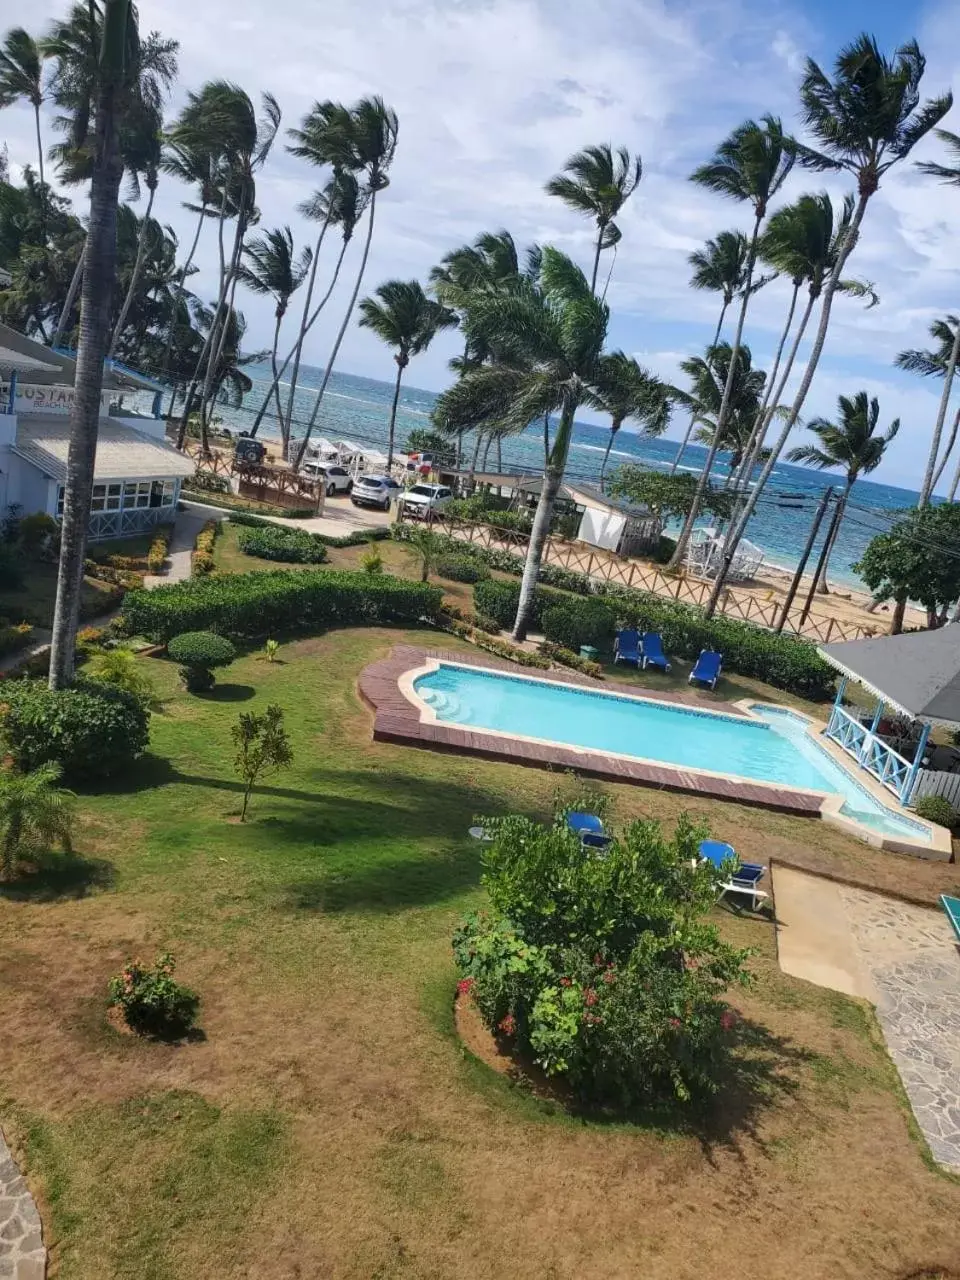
[874,755]
[121,524]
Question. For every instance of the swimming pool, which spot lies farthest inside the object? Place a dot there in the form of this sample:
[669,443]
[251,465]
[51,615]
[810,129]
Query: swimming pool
[772,745]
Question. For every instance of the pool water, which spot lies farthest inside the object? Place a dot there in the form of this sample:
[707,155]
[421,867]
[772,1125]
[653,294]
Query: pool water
[775,748]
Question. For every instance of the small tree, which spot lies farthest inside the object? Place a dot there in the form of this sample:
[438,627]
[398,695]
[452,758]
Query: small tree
[425,547]
[423,440]
[34,814]
[198,653]
[918,559]
[120,668]
[262,747]
[670,496]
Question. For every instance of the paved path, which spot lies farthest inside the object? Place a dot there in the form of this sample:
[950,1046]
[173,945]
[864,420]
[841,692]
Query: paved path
[904,959]
[340,517]
[188,525]
[22,1255]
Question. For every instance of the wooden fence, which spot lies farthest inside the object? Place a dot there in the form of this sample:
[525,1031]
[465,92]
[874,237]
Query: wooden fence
[605,566]
[260,482]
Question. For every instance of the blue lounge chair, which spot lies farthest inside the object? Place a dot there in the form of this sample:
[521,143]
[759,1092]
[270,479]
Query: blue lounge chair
[590,830]
[627,647]
[653,655]
[708,667]
[743,877]
[952,907]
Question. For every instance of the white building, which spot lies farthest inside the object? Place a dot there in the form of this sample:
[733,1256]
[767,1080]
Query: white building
[137,476]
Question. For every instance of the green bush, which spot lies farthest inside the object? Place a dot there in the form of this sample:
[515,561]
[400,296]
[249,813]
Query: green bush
[11,573]
[120,668]
[159,546]
[277,602]
[498,599]
[15,638]
[567,658]
[228,501]
[151,1001]
[36,532]
[92,730]
[605,970]
[380,534]
[571,623]
[462,569]
[198,653]
[937,809]
[277,542]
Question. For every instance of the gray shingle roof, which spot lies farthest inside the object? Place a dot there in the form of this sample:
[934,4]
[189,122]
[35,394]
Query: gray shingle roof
[123,453]
[917,673]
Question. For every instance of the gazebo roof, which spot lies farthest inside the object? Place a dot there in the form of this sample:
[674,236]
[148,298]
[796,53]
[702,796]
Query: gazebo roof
[918,673]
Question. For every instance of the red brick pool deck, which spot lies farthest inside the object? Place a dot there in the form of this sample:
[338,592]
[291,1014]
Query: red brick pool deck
[397,720]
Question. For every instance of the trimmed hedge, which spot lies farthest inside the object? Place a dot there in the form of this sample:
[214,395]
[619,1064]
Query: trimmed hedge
[498,599]
[92,730]
[230,502]
[249,606]
[201,558]
[277,542]
[571,623]
[462,569]
[198,652]
[567,658]
[358,539]
[937,809]
[15,638]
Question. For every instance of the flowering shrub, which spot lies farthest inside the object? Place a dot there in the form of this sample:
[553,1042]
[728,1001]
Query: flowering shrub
[604,969]
[151,1000]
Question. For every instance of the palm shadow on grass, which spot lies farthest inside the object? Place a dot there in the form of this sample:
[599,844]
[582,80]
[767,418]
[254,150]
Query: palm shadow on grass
[58,875]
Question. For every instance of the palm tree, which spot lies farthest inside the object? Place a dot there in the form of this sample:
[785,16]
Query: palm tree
[142,157]
[950,175]
[370,147]
[101,90]
[750,166]
[852,443]
[547,343]
[404,317]
[709,377]
[341,204]
[865,120]
[719,266]
[21,78]
[598,181]
[935,364]
[626,390]
[274,268]
[323,140]
[34,814]
[425,547]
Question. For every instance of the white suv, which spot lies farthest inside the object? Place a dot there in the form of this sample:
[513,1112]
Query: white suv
[336,479]
[426,499]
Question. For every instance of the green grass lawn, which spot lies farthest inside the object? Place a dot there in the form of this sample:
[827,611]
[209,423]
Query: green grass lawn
[34,602]
[328,1123]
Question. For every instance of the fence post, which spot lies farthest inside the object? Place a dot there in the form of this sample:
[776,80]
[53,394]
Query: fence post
[829,631]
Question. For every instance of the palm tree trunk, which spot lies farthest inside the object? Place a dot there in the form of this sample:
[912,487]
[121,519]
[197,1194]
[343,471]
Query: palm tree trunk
[99,276]
[927,487]
[951,441]
[614,428]
[754,443]
[736,532]
[304,326]
[70,300]
[596,258]
[680,550]
[343,329]
[401,365]
[552,480]
[955,482]
[821,586]
[499,457]
[276,377]
[290,354]
[205,350]
[43,189]
[476,454]
[135,275]
[546,438]
[486,453]
[225,311]
[179,294]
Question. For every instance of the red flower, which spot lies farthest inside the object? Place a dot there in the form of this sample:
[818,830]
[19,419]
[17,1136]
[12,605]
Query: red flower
[598,959]
[592,1019]
[566,982]
[728,1019]
[609,977]
[465,986]
[590,997]
[675,1023]
[508,1025]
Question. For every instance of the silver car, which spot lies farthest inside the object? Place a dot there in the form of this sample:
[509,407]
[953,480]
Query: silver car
[374,491]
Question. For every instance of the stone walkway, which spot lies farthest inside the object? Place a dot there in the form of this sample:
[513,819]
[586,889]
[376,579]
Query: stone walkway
[188,525]
[905,960]
[22,1255]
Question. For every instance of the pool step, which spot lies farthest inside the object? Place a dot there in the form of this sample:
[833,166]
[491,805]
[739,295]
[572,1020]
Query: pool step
[446,705]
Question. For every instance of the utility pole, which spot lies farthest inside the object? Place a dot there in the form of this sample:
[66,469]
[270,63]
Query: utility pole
[794,585]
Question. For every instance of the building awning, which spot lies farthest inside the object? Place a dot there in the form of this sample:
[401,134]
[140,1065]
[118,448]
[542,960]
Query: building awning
[123,453]
[49,366]
[918,674]
[12,361]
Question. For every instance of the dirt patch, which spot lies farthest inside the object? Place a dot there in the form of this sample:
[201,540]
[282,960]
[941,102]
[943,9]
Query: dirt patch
[497,1053]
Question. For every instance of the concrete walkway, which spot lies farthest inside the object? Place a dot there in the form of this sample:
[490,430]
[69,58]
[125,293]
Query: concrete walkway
[188,525]
[902,958]
[339,517]
[22,1255]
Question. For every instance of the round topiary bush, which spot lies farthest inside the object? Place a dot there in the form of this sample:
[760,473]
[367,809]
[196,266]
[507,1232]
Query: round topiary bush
[574,623]
[92,730]
[937,809]
[198,652]
[462,569]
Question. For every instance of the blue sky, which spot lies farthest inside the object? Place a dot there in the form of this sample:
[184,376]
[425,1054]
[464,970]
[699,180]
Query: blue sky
[493,95]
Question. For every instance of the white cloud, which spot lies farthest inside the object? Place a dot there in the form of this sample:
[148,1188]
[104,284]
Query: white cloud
[493,95]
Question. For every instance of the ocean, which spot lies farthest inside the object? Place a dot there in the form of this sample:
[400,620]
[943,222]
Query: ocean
[358,409]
